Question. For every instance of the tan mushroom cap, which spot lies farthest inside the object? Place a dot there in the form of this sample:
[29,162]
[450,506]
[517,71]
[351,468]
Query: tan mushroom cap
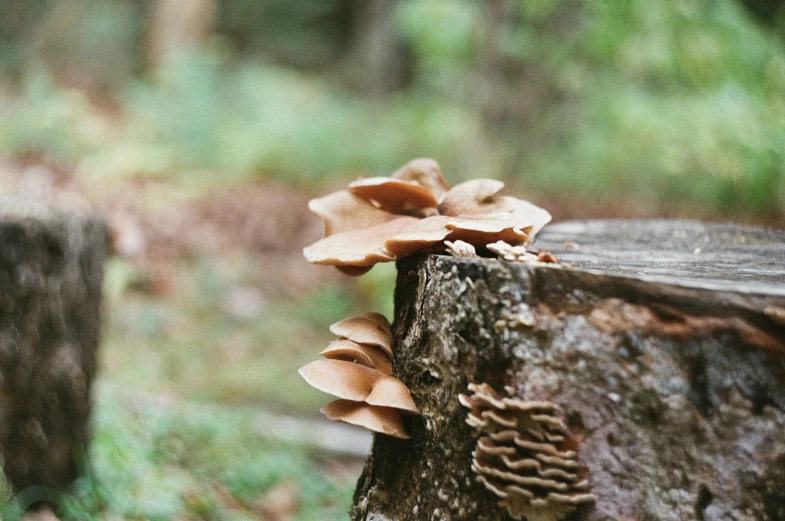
[378,319]
[358,383]
[378,419]
[391,392]
[470,197]
[430,232]
[394,195]
[369,328]
[525,211]
[425,172]
[342,211]
[367,355]
[362,247]
[480,196]
[343,379]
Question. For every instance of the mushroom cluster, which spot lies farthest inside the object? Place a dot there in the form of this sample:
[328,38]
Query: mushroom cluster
[383,219]
[526,456]
[358,370]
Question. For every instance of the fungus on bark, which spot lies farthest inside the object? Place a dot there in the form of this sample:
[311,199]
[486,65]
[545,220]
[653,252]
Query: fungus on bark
[367,355]
[394,195]
[460,248]
[358,370]
[526,456]
[369,328]
[520,253]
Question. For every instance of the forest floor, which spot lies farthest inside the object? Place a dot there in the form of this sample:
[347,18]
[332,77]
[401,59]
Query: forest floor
[210,310]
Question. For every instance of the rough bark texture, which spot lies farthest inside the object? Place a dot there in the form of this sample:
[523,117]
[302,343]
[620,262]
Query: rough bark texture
[664,342]
[50,278]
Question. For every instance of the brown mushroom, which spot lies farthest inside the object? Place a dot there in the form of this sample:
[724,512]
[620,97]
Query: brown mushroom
[394,195]
[378,319]
[481,196]
[340,378]
[470,197]
[391,392]
[425,172]
[378,419]
[429,233]
[367,355]
[358,383]
[360,248]
[343,211]
[369,328]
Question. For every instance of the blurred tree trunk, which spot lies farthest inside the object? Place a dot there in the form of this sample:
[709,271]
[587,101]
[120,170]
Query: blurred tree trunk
[51,268]
[378,50]
[177,26]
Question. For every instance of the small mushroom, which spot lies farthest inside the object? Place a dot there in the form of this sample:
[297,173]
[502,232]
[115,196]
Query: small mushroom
[521,254]
[369,328]
[385,420]
[425,172]
[343,211]
[367,355]
[394,195]
[460,249]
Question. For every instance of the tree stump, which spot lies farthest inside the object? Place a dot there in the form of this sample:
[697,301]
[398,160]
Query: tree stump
[663,342]
[51,267]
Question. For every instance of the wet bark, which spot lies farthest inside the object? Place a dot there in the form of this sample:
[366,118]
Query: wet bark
[663,342]
[50,278]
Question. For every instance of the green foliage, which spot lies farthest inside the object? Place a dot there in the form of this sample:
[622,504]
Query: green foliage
[299,33]
[661,100]
[149,461]
[45,119]
[686,102]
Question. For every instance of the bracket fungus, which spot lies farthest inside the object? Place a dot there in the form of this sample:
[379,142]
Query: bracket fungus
[358,370]
[383,219]
[526,456]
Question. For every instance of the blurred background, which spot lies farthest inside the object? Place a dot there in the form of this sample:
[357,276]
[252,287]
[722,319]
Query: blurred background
[201,128]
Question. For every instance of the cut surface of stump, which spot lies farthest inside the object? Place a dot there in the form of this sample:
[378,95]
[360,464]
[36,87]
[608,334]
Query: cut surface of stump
[51,267]
[663,343]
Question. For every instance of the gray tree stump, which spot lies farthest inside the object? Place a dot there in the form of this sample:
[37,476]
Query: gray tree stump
[662,341]
[51,267]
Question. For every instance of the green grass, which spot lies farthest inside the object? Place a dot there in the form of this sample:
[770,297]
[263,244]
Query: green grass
[189,344]
[169,461]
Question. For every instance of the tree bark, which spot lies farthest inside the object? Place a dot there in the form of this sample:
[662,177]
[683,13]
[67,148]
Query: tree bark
[50,292]
[663,343]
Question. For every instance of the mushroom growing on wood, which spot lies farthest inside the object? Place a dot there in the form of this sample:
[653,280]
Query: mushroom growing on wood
[367,355]
[526,456]
[384,420]
[383,219]
[358,370]
[394,195]
[368,328]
